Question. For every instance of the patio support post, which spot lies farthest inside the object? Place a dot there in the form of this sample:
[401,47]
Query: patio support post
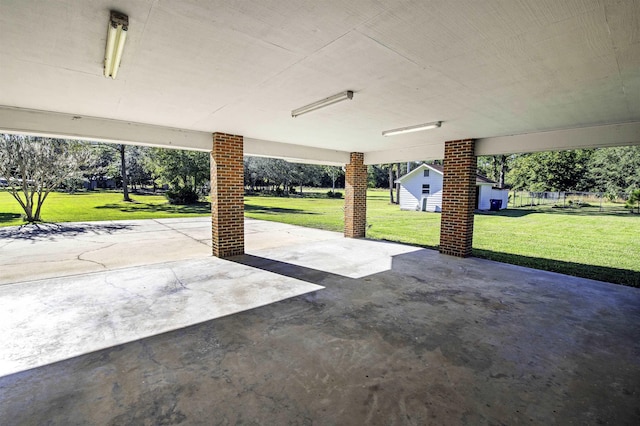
[227,195]
[355,200]
[458,198]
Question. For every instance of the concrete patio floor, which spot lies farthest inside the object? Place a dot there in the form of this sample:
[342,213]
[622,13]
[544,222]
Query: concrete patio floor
[398,335]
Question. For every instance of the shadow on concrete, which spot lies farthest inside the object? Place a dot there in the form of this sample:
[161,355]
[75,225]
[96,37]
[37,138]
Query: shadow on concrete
[457,338]
[49,231]
[302,273]
[594,272]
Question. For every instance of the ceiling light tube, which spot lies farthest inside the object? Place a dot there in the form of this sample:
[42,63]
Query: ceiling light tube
[323,103]
[116,36]
[410,129]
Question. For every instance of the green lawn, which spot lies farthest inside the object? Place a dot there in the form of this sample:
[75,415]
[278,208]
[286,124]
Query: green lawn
[94,206]
[323,213]
[582,242]
[575,242]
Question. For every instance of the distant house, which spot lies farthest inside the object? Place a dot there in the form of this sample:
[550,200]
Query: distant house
[421,189]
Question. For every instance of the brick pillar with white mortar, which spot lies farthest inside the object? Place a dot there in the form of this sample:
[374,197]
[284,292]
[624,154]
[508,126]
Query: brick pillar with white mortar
[355,200]
[227,195]
[458,198]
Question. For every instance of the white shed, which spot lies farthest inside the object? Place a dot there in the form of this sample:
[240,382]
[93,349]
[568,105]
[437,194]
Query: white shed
[421,189]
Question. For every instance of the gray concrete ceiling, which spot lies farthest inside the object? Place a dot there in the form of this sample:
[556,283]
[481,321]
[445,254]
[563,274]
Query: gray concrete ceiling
[486,68]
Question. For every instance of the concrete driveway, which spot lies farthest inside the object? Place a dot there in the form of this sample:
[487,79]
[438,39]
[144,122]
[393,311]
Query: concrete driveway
[325,330]
[54,250]
[75,288]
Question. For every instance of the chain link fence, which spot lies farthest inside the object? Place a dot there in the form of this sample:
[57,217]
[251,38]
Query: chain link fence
[592,201]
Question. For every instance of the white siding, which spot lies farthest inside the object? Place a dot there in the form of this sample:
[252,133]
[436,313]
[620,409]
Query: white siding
[408,201]
[501,194]
[433,202]
[484,197]
[487,194]
[412,198]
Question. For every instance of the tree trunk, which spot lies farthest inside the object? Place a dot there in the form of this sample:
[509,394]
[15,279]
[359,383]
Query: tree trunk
[36,217]
[391,184]
[503,171]
[123,170]
[397,185]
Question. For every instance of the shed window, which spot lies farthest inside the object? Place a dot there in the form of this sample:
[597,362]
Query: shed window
[426,173]
[425,188]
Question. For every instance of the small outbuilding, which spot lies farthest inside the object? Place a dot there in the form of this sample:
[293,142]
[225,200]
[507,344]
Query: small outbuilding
[421,189]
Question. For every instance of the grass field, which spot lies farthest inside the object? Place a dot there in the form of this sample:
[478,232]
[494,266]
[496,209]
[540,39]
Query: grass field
[94,206]
[583,242]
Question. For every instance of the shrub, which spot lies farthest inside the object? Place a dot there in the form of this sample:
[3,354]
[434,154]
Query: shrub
[182,196]
[332,194]
[634,200]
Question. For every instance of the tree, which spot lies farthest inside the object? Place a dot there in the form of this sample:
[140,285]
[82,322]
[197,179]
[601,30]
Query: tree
[551,171]
[377,176]
[123,172]
[279,172]
[101,165]
[334,173]
[502,174]
[129,157]
[273,172]
[615,170]
[495,167]
[179,168]
[33,167]
[634,200]
[250,172]
[397,185]
[137,172]
[390,170]
[307,174]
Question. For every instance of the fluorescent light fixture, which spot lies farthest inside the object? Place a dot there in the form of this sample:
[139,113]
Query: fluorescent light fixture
[323,103]
[117,35]
[410,129]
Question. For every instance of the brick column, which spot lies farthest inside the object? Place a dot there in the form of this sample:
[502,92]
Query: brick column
[458,198]
[227,195]
[355,199]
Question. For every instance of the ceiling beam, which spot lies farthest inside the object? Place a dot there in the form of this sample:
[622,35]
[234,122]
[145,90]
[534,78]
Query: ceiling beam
[69,126]
[399,155]
[604,136]
[294,153]
[608,135]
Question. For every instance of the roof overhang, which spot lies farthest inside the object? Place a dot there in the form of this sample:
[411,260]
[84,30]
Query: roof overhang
[516,76]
